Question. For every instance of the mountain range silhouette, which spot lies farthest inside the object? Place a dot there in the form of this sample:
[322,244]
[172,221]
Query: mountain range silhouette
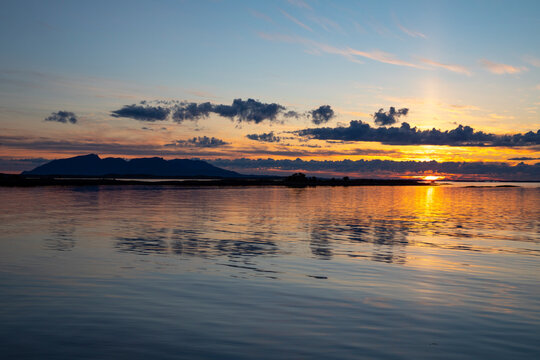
[93,165]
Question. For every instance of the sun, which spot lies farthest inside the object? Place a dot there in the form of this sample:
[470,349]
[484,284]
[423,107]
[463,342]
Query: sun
[432,178]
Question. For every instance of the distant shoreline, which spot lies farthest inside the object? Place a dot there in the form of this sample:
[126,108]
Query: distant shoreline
[10,180]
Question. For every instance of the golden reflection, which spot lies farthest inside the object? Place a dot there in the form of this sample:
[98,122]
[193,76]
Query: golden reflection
[428,227]
[429,197]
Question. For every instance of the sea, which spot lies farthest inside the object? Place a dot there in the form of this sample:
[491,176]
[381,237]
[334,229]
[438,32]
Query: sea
[449,271]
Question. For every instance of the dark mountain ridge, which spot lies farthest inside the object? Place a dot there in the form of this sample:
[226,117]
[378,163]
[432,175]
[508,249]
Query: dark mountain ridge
[93,165]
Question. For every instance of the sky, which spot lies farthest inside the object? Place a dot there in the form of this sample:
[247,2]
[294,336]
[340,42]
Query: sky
[330,88]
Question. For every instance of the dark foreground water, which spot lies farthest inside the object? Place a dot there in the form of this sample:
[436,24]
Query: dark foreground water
[264,273]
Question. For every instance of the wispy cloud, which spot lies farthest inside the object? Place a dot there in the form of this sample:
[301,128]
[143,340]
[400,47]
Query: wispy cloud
[411,33]
[498,68]
[532,60]
[349,53]
[300,3]
[195,147]
[314,46]
[450,67]
[296,21]
[501,117]
[325,23]
[383,57]
[261,16]
[359,27]
[380,29]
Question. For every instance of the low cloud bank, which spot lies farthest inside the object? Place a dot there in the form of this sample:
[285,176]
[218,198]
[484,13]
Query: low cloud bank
[388,168]
[407,135]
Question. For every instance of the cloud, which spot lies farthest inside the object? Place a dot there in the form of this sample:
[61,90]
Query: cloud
[322,114]
[383,57]
[411,33]
[450,67]
[191,111]
[265,137]
[200,142]
[325,23]
[300,4]
[532,60]
[249,110]
[142,112]
[500,69]
[261,16]
[523,158]
[314,46]
[296,21]
[182,148]
[348,53]
[390,117]
[385,168]
[86,146]
[405,135]
[62,117]
[291,113]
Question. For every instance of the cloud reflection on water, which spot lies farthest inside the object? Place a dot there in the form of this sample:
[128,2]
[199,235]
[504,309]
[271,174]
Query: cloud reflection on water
[240,225]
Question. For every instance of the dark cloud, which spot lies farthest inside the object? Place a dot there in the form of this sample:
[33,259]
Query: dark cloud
[191,111]
[291,114]
[265,137]
[388,168]
[322,114]
[524,158]
[249,110]
[142,112]
[405,135]
[390,117]
[62,117]
[200,141]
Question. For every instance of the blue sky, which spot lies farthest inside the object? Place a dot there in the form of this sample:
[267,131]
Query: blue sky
[474,63]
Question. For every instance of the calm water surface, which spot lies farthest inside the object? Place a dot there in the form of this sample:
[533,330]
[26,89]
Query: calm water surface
[149,272]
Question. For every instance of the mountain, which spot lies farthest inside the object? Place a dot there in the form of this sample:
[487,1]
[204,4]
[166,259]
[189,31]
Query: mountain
[93,165]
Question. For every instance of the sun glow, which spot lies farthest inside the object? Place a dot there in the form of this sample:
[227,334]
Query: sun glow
[432,178]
